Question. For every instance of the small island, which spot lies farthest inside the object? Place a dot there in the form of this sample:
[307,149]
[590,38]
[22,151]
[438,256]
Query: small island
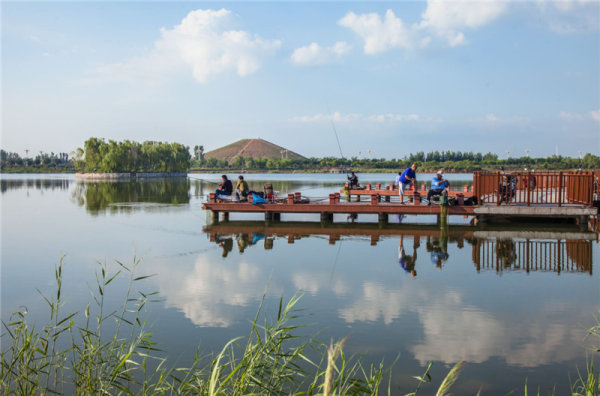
[129,159]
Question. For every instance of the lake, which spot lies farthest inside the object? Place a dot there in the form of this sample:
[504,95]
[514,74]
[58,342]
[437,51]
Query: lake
[515,306]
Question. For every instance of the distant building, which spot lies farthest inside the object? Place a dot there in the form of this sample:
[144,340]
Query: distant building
[252,148]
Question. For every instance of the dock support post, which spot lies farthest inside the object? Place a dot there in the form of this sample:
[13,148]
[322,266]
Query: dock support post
[214,216]
[276,216]
[326,217]
[225,216]
[383,218]
[442,218]
[416,198]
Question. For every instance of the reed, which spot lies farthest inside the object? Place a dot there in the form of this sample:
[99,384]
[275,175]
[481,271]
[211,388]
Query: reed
[100,351]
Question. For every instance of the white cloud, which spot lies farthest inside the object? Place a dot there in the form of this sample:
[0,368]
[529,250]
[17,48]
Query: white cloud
[200,43]
[591,115]
[449,18]
[394,117]
[314,54]
[339,117]
[491,117]
[570,16]
[379,35]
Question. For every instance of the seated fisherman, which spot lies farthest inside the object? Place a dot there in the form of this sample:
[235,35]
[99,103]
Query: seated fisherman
[352,181]
[241,188]
[225,188]
[439,186]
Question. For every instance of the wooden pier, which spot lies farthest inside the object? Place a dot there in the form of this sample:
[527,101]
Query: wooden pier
[530,196]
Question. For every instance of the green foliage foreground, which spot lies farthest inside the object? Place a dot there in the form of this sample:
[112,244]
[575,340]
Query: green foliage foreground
[113,353]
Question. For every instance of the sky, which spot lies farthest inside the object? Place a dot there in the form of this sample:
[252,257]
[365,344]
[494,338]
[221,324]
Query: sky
[390,78]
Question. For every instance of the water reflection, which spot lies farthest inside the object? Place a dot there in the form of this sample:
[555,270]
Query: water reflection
[513,251]
[243,241]
[38,184]
[125,196]
[452,324]
[505,254]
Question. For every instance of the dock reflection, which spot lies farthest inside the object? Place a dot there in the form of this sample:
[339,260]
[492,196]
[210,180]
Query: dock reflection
[501,250]
[533,255]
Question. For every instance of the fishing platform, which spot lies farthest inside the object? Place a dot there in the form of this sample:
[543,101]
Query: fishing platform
[493,197]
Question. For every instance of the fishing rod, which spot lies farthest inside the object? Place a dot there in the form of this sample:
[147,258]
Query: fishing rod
[336,136]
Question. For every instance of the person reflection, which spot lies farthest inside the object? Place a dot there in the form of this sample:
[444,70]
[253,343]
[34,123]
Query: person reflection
[438,247]
[506,252]
[243,240]
[408,262]
[227,245]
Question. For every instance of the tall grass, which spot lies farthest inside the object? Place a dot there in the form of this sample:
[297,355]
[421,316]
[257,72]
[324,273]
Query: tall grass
[100,352]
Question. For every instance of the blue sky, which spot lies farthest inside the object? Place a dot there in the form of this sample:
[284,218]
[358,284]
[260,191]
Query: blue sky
[395,77]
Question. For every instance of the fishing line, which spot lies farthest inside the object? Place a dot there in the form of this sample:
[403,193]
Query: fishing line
[335,132]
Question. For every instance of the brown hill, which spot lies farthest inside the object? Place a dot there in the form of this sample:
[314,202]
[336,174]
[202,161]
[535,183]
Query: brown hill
[254,148]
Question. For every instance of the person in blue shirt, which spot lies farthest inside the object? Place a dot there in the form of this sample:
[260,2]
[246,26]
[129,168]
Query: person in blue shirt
[439,186]
[407,262]
[405,179]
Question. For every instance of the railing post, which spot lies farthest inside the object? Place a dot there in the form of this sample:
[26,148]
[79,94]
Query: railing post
[591,187]
[290,199]
[331,199]
[560,187]
[498,178]
[374,199]
[528,186]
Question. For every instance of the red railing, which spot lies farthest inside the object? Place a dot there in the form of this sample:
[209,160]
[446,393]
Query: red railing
[536,188]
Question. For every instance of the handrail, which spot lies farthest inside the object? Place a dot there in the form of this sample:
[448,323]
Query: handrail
[535,188]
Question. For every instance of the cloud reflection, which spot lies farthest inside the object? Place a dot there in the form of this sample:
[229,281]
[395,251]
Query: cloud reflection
[453,326]
[455,330]
[209,293]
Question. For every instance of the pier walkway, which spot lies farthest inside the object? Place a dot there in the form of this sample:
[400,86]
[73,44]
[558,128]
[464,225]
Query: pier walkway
[557,196]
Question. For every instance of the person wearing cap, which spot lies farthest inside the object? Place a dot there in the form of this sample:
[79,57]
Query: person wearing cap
[352,181]
[439,186]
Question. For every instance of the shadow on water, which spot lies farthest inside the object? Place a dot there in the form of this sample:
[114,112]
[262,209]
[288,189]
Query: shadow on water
[561,249]
[125,196]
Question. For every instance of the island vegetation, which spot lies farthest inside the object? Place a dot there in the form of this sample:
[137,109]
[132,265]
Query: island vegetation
[98,155]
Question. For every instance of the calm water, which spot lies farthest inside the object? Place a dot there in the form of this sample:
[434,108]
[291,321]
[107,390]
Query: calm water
[515,309]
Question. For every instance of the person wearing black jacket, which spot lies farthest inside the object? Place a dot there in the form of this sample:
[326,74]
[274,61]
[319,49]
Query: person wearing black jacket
[225,188]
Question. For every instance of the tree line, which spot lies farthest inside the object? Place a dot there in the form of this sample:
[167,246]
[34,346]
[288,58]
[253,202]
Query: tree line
[98,155]
[449,160]
[59,161]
